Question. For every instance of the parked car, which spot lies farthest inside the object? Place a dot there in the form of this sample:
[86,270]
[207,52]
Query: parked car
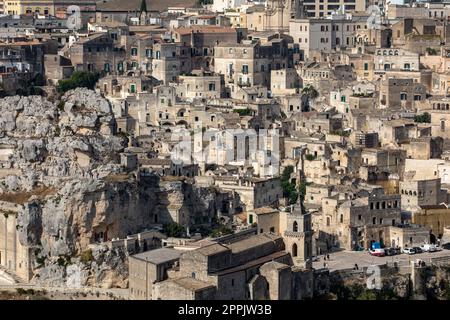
[409,250]
[427,247]
[377,252]
[417,249]
[392,251]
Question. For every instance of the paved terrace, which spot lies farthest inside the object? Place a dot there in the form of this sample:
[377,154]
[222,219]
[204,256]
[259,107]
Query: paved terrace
[347,259]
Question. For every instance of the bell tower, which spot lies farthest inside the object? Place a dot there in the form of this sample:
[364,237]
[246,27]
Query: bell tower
[297,235]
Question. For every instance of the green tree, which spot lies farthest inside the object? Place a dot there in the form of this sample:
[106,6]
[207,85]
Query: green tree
[423,118]
[431,51]
[77,80]
[173,229]
[310,92]
[289,189]
[220,231]
[243,112]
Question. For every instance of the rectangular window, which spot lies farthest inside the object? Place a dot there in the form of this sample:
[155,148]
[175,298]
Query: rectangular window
[245,69]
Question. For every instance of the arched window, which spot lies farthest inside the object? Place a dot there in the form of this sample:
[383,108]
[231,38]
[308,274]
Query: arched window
[295,226]
[341,218]
[294,250]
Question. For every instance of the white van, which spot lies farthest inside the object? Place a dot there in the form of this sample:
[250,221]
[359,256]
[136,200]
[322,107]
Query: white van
[428,247]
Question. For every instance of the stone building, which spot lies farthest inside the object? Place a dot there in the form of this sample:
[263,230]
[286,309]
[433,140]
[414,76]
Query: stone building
[96,53]
[120,87]
[436,217]
[170,60]
[200,85]
[253,267]
[273,16]
[354,223]
[317,9]
[201,40]
[401,93]
[295,228]
[320,122]
[22,57]
[440,119]
[324,35]
[419,192]
[394,59]
[147,268]
[123,11]
[267,219]
[284,82]
[253,192]
[57,68]
[405,236]
[250,64]
[14,256]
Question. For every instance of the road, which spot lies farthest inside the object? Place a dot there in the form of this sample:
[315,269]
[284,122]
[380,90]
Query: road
[347,259]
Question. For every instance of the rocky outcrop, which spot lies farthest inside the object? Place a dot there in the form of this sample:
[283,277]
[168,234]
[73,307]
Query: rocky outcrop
[64,172]
[64,153]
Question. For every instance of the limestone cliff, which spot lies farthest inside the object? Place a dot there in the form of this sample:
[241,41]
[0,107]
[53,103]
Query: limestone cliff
[60,163]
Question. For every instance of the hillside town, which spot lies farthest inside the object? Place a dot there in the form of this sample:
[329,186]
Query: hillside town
[225,149]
